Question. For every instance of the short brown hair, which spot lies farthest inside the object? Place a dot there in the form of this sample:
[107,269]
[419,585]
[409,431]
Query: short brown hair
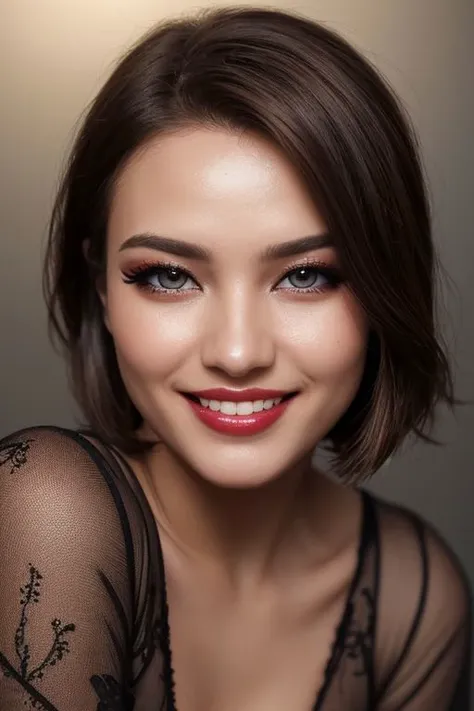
[305,88]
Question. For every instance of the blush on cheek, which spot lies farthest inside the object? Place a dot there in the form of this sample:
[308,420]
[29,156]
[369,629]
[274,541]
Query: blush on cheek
[346,334]
[329,339]
[151,339]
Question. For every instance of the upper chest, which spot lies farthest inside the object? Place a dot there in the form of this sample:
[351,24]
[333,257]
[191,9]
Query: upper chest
[272,652]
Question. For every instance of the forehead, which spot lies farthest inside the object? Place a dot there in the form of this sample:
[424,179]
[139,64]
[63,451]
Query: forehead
[211,185]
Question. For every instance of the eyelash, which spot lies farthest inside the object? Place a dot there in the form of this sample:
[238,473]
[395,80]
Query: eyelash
[141,275]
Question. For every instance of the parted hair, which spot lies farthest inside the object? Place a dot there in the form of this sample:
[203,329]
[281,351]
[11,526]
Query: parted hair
[304,87]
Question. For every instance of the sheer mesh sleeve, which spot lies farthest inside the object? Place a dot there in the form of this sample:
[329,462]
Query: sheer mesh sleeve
[83,613]
[424,619]
[69,597]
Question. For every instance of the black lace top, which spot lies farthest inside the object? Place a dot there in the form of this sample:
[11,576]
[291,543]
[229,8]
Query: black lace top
[83,611]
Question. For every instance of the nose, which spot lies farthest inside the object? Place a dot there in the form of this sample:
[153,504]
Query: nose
[239,336]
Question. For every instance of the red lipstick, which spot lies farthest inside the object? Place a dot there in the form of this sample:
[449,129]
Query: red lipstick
[243,425]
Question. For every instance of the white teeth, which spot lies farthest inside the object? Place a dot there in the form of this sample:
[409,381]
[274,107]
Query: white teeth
[229,408]
[239,408]
[244,408]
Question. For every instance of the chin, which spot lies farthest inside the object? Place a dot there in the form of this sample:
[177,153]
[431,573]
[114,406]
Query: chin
[225,479]
[243,470]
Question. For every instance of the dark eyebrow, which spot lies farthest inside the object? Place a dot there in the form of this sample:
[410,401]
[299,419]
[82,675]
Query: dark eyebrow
[297,246]
[195,251]
[166,244]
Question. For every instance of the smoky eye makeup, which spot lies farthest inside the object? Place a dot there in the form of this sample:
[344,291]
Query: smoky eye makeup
[307,276]
[310,275]
[160,276]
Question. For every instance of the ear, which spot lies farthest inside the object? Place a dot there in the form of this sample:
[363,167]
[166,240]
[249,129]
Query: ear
[100,284]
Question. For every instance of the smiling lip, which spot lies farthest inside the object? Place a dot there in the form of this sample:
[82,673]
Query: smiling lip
[243,425]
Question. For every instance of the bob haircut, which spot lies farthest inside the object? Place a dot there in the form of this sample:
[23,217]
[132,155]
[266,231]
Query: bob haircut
[295,82]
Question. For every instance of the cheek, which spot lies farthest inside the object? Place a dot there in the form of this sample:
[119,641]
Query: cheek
[150,339]
[324,340]
[328,339]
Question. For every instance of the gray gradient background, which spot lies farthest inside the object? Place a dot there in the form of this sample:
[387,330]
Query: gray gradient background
[54,55]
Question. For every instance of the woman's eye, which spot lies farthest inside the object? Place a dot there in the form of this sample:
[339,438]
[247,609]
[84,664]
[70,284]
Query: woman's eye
[169,278]
[173,279]
[305,279]
[161,279]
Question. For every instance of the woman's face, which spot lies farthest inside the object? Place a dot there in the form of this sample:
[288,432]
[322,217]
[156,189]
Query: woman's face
[253,299]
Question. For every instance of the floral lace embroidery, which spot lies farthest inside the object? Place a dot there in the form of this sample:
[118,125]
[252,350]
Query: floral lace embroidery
[158,639]
[112,696]
[23,674]
[358,640]
[15,454]
[351,653]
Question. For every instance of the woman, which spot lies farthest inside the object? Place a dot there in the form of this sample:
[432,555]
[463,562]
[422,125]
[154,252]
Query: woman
[240,268]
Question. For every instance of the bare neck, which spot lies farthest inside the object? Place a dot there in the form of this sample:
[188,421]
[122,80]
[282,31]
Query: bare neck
[245,534]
